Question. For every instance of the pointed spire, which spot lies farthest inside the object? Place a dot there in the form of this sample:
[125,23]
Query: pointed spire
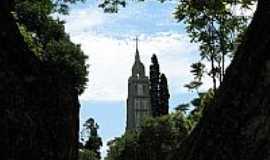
[137,56]
[136,43]
[138,68]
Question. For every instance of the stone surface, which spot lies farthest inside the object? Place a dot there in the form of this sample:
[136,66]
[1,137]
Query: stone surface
[236,125]
[138,101]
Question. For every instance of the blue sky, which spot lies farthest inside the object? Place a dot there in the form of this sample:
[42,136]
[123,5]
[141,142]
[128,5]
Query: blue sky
[108,40]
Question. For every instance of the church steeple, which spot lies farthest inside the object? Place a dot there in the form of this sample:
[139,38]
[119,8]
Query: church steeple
[138,68]
[138,102]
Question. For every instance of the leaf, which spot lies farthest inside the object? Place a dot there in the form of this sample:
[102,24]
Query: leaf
[182,107]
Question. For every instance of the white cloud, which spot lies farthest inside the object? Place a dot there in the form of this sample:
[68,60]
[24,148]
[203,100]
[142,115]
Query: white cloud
[111,60]
[111,57]
[84,20]
[240,11]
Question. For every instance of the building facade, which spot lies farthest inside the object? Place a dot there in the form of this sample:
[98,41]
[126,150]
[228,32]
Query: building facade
[138,101]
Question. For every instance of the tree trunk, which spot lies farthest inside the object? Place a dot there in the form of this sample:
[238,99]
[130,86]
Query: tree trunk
[223,66]
[236,126]
[213,73]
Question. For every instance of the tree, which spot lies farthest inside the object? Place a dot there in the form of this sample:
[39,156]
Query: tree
[46,37]
[199,104]
[157,139]
[154,85]
[91,138]
[235,124]
[183,107]
[196,107]
[43,125]
[164,95]
[124,147]
[216,27]
[198,70]
[159,91]
[85,154]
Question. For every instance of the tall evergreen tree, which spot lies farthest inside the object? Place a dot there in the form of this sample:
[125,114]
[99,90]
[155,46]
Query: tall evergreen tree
[164,95]
[154,85]
[158,90]
[93,142]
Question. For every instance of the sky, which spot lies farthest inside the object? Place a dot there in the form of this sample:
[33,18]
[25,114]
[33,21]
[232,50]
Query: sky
[109,41]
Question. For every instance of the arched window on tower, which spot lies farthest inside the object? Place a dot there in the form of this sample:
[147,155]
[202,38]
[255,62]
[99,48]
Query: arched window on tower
[140,90]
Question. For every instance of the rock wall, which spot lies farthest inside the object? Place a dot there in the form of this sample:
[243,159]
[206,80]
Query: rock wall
[39,113]
[236,126]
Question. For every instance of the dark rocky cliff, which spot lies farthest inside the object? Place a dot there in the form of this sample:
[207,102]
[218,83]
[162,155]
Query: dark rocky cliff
[39,113]
[237,124]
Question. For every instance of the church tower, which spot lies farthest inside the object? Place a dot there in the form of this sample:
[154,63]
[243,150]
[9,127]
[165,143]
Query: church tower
[138,101]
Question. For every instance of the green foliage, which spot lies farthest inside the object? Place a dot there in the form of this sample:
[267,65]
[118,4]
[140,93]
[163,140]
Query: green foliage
[164,95]
[35,47]
[112,6]
[193,85]
[85,154]
[199,104]
[59,6]
[154,85]
[46,37]
[123,147]
[159,91]
[215,26]
[69,60]
[197,69]
[91,138]
[196,107]
[62,6]
[183,107]
[156,139]
[160,136]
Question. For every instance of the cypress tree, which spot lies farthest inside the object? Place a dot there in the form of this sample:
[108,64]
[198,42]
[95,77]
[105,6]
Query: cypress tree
[154,85]
[164,95]
[93,142]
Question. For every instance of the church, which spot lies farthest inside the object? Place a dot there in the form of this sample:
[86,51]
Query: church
[138,101]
